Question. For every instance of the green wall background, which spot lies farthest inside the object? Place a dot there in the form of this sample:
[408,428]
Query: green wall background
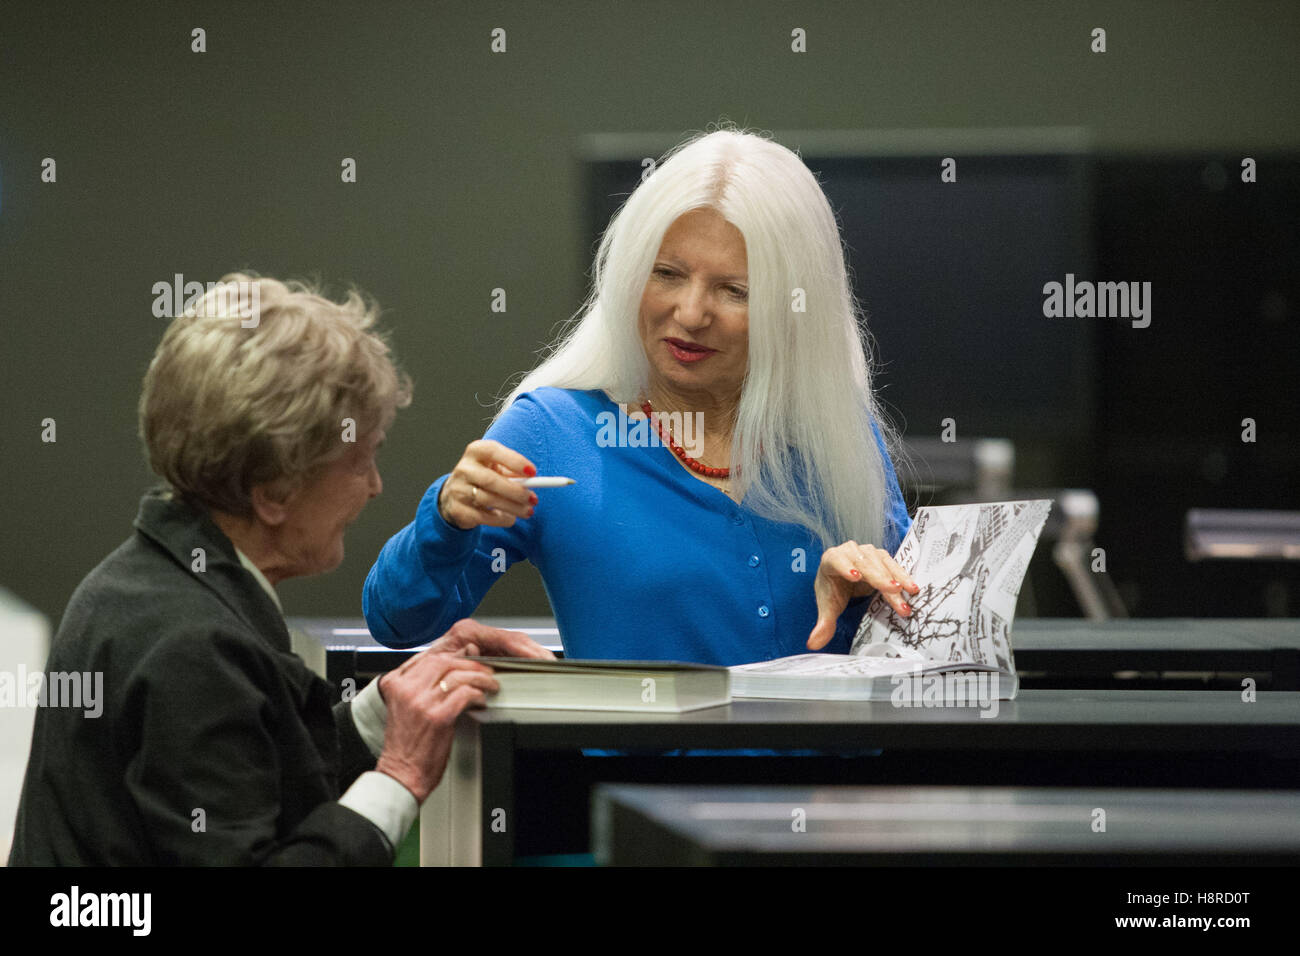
[468,179]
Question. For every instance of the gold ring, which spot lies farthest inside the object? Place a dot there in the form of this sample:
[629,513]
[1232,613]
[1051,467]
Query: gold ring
[443,685]
[474,495]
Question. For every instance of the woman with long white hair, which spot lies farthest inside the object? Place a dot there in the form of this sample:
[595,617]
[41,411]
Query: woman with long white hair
[734,498]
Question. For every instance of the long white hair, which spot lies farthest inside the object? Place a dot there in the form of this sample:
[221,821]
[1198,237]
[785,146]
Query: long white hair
[802,447]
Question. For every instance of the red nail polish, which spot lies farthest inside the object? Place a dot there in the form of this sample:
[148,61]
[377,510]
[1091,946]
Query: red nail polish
[854,573]
[907,608]
[530,513]
[532,499]
[894,583]
[530,471]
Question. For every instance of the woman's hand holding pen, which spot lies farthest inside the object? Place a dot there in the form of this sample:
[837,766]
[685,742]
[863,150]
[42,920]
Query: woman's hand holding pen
[854,570]
[479,490]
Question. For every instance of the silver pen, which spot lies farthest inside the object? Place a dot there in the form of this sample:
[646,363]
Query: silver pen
[544,481]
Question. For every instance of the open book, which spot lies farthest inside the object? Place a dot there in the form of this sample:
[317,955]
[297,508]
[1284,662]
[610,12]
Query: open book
[955,647]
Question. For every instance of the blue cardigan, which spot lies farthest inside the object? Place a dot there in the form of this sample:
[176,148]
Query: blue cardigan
[641,561]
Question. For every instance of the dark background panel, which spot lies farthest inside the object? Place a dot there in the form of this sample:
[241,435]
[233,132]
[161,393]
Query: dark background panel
[1223,257]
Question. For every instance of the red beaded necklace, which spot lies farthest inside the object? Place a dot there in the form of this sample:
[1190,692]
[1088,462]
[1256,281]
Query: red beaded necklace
[691,463]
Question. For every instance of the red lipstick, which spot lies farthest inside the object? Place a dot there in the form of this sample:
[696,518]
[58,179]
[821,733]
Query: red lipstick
[685,351]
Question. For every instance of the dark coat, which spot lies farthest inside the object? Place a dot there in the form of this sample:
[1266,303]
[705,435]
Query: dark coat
[205,708]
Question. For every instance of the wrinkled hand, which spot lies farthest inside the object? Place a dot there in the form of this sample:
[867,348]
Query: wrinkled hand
[854,570]
[470,638]
[430,690]
[479,490]
[424,697]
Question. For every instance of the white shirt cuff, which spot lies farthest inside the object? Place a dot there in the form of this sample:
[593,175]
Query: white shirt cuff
[369,715]
[384,802]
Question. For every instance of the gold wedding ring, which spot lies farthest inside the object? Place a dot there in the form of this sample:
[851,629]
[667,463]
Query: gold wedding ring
[474,495]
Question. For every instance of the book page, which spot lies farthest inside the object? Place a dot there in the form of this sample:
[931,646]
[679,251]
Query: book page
[830,665]
[970,561]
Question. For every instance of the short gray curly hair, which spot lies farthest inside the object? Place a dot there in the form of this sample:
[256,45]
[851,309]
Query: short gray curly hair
[225,408]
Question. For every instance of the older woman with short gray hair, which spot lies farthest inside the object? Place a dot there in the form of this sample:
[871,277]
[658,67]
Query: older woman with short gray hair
[263,410]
